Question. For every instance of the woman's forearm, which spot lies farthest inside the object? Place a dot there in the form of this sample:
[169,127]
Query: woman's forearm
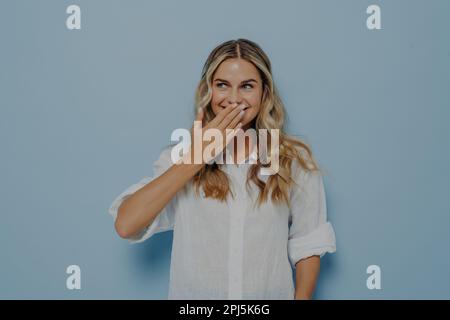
[142,207]
[307,273]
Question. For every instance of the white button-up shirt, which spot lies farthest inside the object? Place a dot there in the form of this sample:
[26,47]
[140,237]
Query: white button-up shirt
[236,250]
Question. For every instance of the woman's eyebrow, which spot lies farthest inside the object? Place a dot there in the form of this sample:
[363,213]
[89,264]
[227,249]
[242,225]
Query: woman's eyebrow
[245,81]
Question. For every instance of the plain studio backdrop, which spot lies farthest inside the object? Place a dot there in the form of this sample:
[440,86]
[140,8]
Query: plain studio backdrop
[85,113]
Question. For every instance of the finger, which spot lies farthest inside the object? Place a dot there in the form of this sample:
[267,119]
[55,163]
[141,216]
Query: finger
[222,114]
[237,112]
[230,134]
[236,120]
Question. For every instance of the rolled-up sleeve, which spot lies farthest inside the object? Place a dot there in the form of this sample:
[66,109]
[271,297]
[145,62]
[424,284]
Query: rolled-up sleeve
[165,220]
[309,231]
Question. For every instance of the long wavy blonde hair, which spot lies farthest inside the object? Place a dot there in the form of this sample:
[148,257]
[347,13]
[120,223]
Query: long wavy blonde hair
[211,178]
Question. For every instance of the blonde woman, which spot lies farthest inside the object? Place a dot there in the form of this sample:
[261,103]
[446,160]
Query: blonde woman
[237,234]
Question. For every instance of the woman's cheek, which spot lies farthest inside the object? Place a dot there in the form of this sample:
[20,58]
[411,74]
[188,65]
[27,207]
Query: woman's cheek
[249,116]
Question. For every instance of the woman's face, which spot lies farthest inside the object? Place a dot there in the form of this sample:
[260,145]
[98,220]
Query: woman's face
[237,81]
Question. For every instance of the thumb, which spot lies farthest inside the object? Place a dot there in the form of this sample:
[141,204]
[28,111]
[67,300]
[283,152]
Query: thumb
[199,116]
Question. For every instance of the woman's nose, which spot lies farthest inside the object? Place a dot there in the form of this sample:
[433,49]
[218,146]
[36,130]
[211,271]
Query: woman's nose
[234,97]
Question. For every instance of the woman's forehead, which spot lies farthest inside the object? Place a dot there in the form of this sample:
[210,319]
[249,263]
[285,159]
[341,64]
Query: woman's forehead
[238,69]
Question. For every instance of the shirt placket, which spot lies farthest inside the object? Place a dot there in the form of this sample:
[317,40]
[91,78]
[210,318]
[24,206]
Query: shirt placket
[236,237]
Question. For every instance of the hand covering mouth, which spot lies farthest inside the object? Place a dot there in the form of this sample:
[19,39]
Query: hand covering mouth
[245,107]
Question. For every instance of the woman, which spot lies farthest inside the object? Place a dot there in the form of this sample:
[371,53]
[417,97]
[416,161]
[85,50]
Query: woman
[237,233]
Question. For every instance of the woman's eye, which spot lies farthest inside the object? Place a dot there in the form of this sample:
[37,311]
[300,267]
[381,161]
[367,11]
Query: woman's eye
[223,85]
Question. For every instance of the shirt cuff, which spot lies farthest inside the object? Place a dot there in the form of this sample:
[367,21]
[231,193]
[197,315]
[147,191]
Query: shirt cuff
[318,242]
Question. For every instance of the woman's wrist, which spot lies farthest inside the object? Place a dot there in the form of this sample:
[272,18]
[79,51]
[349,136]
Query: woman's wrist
[187,162]
[302,296]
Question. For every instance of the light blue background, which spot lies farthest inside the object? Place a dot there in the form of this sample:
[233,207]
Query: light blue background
[84,114]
